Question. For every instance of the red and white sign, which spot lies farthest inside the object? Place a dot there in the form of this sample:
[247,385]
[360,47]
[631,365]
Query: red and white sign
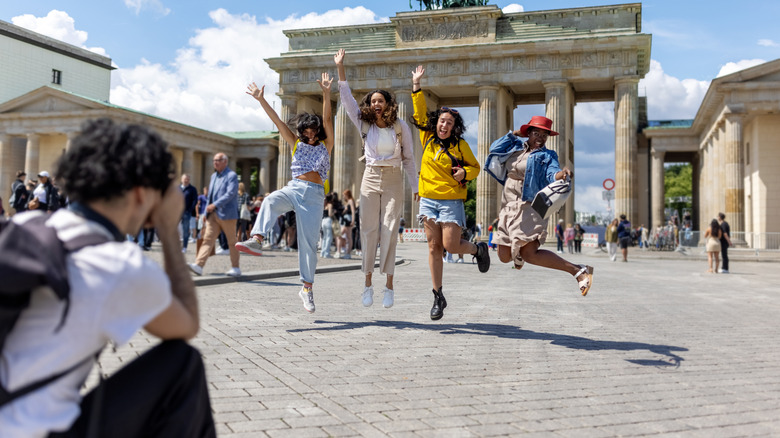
[608,184]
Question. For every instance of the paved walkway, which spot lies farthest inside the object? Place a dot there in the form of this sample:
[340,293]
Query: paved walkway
[658,347]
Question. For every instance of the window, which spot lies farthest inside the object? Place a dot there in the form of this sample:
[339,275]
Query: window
[56,77]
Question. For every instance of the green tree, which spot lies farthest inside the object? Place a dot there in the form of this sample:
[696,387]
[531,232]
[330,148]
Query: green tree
[678,186]
[471,203]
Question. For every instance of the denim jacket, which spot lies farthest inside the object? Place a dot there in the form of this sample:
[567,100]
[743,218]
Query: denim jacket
[540,169]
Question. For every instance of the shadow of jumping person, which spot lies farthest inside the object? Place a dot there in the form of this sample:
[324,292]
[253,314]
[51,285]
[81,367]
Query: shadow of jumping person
[513,332]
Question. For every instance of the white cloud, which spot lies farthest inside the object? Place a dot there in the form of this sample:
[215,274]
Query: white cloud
[204,86]
[58,25]
[768,43]
[149,5]
[669,97]
[512,8]
[599,115]
[732,67]
[588,199]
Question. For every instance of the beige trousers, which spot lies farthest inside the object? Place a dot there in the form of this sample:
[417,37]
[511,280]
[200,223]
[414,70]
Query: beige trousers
[381,204]
[212,227]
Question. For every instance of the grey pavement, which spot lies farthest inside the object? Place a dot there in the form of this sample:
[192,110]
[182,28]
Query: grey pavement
[658,347]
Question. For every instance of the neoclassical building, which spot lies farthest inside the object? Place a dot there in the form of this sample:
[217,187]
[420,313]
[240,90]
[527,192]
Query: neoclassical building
[49,88]
[734,146]
[484,58]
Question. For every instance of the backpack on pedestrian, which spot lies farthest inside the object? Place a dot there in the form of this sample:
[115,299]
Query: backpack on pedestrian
[33,256]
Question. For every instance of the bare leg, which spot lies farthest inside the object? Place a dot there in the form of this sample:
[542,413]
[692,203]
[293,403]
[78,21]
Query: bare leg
[452,241]
[433,233]
[368,279]
[531,253]
[504,253]
[389,282]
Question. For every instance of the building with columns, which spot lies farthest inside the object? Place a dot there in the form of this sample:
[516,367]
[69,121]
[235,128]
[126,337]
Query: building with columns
[41,112]
[484,58]
[734,148]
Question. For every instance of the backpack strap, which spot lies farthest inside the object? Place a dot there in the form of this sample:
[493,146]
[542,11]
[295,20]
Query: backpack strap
[363,134]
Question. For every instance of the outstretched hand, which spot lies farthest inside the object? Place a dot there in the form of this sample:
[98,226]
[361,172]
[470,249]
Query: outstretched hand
[325,82]
[255,92]
[338,58]
[417,74]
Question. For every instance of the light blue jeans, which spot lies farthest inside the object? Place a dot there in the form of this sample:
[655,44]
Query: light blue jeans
[327,236]
[306,199]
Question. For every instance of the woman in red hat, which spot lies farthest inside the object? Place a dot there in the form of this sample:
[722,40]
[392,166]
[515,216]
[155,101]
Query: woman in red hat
[529,167]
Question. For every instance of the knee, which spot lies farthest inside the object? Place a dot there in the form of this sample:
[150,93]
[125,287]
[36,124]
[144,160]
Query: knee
[504,254]
[435,247]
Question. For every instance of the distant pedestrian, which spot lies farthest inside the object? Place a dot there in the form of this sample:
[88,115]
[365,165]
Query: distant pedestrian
[401,225]
[190,201]
[19,195]
[624,236]
[579,234]
[559,235]
[712,244]
[569,235]
[221,215]
[725,242]
[612,239]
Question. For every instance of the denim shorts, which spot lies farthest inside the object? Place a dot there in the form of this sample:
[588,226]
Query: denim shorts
[442,210]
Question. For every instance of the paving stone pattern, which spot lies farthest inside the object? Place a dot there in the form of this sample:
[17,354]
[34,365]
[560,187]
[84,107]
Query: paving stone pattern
[658,347]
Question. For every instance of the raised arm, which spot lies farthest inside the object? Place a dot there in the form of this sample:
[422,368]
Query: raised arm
[338,58]
[327,111]
[417,75]
[284,130]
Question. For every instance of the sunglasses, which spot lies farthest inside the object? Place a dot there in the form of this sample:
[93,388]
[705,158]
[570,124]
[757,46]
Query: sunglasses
[449,110]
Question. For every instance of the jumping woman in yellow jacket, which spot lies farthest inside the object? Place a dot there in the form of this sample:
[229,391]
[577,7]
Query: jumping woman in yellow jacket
[447,165]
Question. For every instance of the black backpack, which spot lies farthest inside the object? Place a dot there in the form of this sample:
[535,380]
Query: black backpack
[31,255]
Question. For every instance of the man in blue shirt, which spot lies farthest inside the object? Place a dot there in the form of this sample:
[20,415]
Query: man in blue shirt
[221,215]
[190,199]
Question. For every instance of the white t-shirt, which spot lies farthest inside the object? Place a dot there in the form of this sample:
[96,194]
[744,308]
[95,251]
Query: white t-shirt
[40,193]
[115,291]
[385,145]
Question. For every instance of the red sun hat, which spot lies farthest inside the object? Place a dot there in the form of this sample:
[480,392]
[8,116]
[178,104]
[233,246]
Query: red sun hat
[540,122]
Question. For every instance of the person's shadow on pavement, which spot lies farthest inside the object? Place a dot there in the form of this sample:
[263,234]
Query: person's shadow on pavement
[514,332]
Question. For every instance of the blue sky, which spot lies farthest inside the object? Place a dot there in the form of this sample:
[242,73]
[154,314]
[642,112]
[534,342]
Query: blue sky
[190,61]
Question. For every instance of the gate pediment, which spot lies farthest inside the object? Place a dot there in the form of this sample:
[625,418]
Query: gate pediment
[49,100]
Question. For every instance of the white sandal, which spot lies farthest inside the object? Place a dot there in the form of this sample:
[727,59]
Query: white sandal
[587,282]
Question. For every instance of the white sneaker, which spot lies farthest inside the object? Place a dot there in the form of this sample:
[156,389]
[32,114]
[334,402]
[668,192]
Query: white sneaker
[197,270]
[233,272]
[250,246]
[222,251]
[184,250]
[459,261]
[368,296]
[307,295]
[387,302]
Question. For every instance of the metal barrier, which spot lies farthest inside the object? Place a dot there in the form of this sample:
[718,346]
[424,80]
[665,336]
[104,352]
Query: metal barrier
[414,235]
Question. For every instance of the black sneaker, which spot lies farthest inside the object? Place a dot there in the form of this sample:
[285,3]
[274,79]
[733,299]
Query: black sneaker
[483,257]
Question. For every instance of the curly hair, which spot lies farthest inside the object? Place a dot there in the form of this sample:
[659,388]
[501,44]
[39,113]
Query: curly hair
[108,159]
[304,121]
[389,115]
[432,118]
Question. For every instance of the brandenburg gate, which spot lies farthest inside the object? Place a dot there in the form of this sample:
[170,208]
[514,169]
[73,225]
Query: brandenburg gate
[480,57]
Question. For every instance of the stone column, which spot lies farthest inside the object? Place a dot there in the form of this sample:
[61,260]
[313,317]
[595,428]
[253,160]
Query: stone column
[7,173]
[405,112]
[32,157]
[264,171]
[343,156]
[245,164]
[657,188]
[289,109]
[188,162]
[734,173]
[487,200]
[558,96]
[626,122]
[70,135]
